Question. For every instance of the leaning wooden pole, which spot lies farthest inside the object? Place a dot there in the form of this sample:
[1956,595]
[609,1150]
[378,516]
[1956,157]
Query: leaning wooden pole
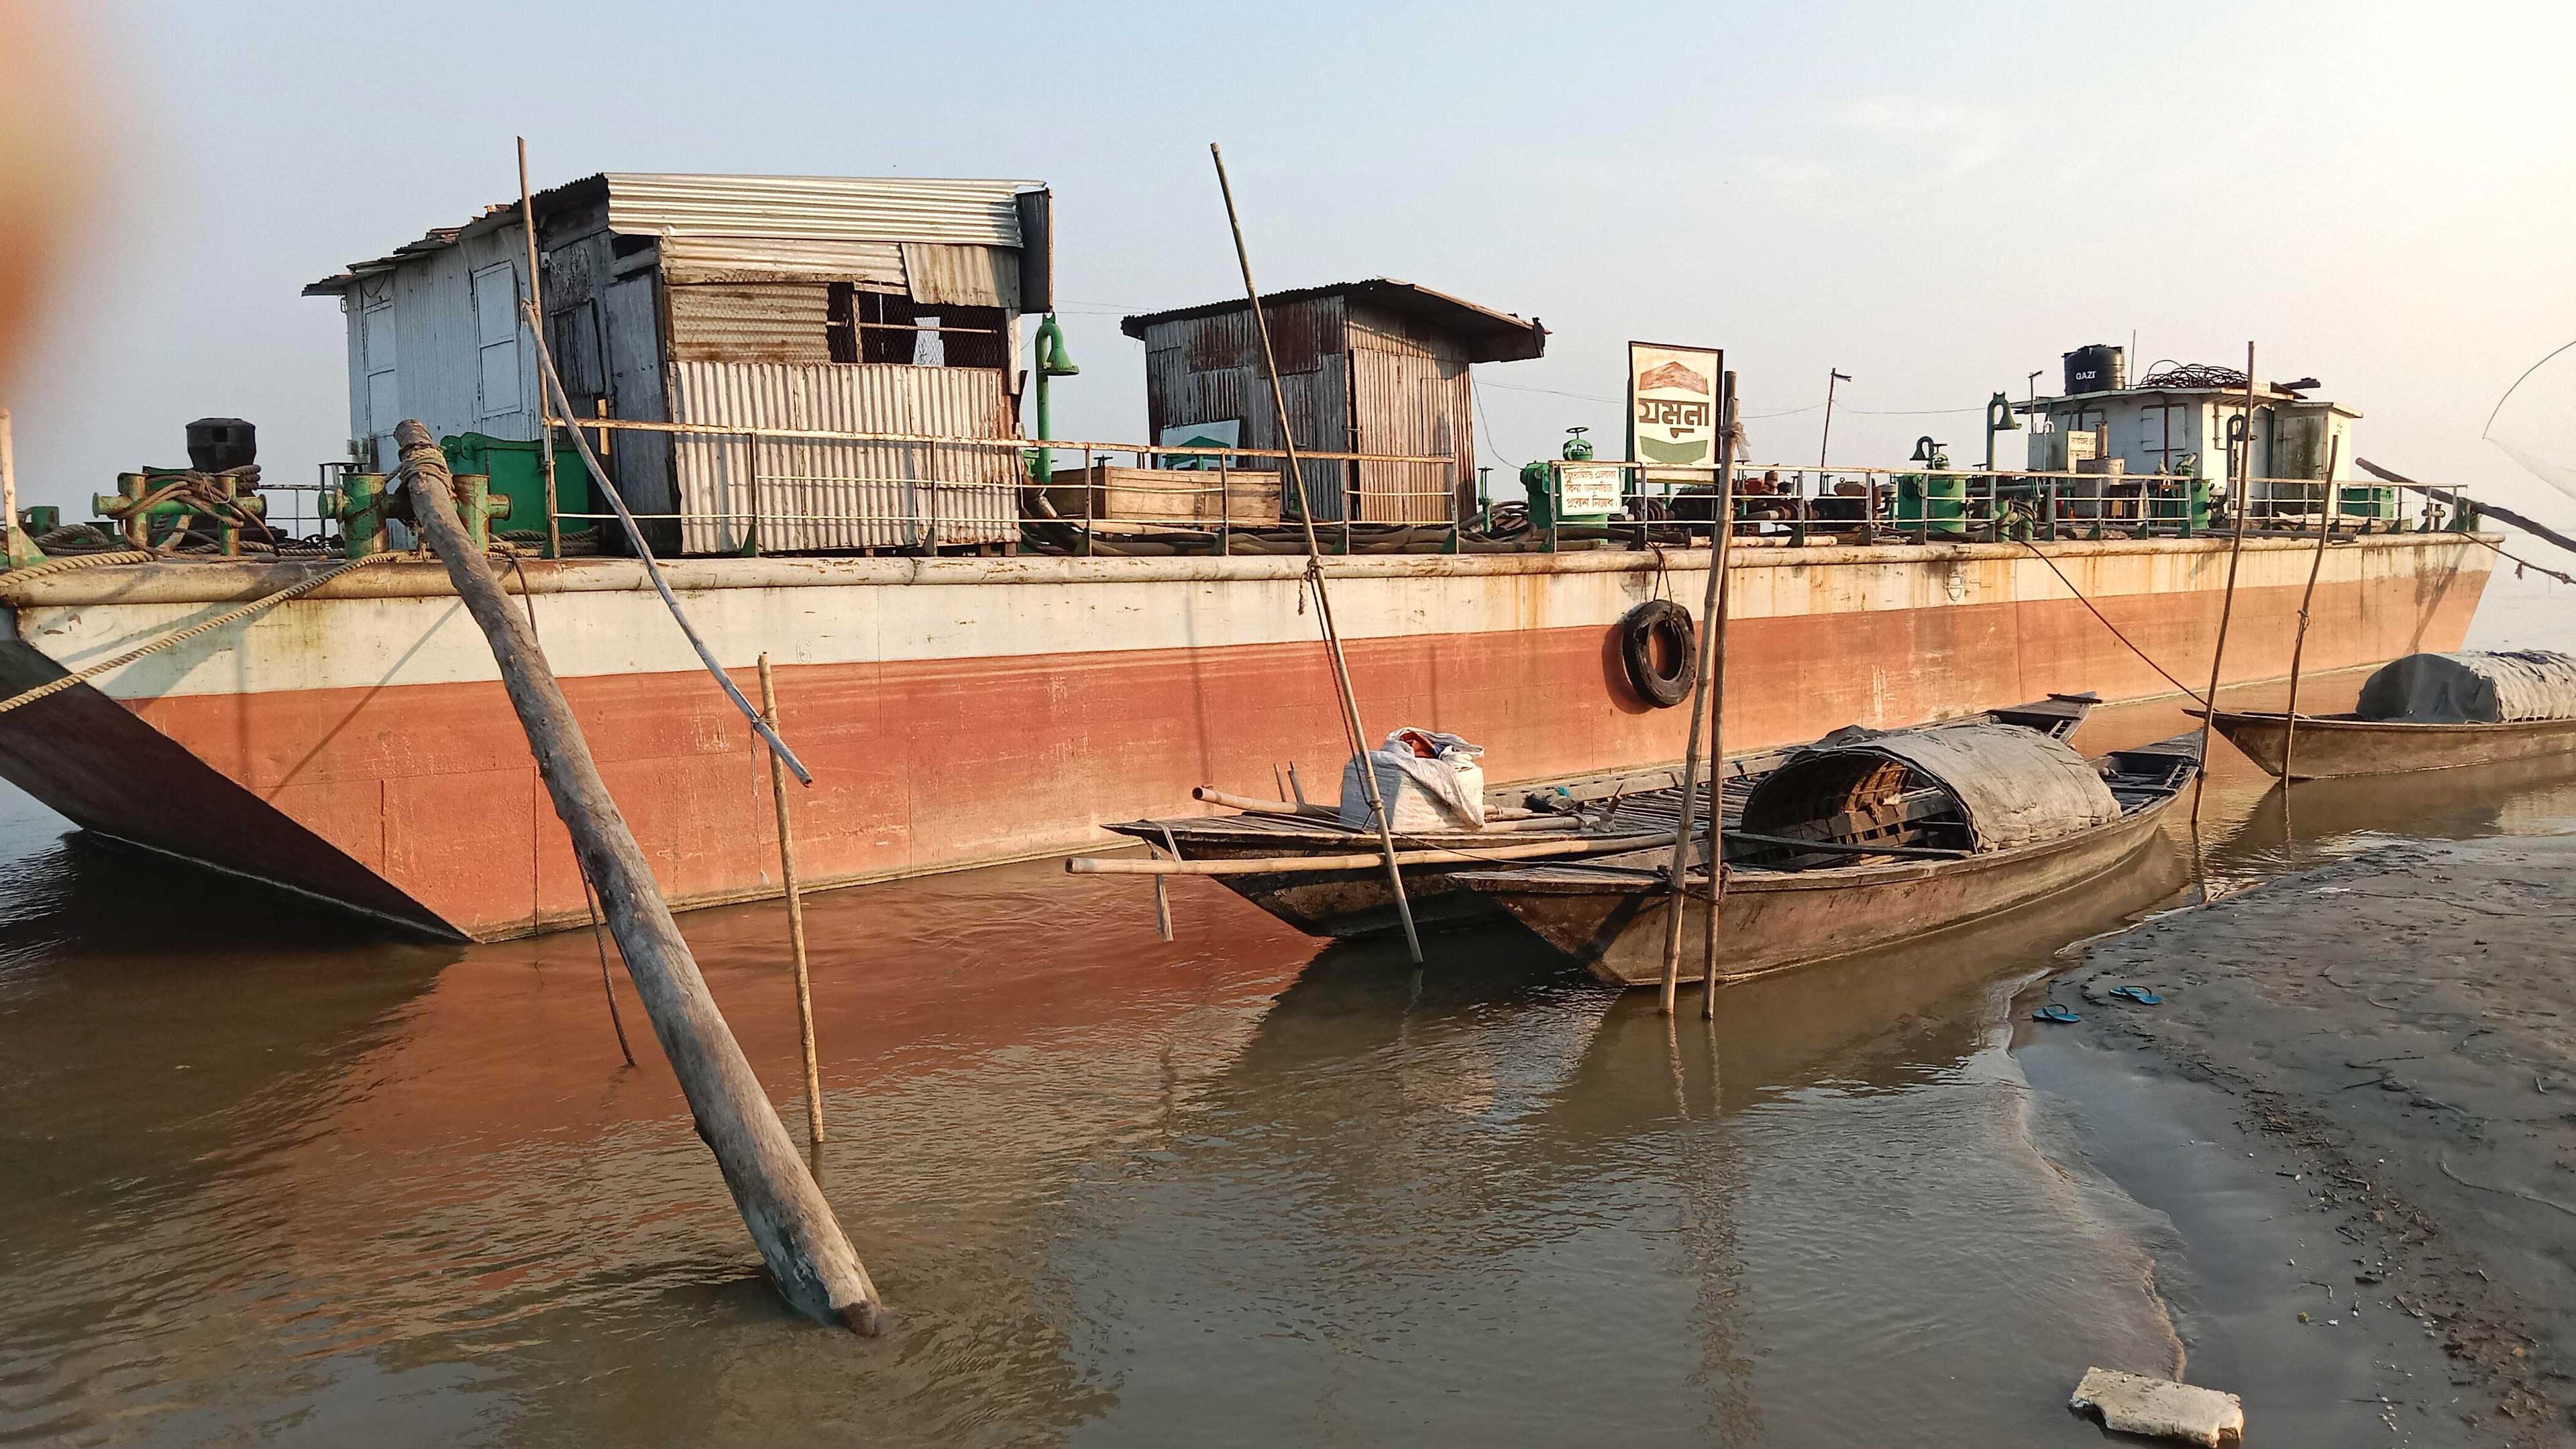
[795,913]
[2240,505]
[1730,430]
[808,1256]
[1296,481]
[2299,642]
[1680,868]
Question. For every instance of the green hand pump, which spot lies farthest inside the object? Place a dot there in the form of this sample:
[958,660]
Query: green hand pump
[1053,362]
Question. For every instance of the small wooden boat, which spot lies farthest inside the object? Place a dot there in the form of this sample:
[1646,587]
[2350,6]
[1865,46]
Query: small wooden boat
[1327,878]
[2423,712]
[1863,841]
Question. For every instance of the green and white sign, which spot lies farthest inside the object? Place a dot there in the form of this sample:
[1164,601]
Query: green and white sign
[1672,408]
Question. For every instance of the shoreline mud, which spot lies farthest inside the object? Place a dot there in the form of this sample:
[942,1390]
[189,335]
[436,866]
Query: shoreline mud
[2356,1105]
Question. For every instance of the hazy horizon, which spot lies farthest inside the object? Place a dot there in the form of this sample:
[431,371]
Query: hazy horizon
[1938,206]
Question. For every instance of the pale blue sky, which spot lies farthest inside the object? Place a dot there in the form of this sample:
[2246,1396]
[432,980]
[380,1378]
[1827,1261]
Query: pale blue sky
[1936,202]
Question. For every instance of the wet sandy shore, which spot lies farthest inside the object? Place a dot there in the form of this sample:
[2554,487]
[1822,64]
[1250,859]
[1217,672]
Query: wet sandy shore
[2356,1106]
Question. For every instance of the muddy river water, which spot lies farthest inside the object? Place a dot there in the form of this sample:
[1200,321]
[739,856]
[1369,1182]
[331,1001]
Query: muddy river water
[266,1177]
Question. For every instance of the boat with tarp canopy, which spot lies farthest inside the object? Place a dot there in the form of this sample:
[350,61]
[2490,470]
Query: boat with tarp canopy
[1863,840]
[2424,712]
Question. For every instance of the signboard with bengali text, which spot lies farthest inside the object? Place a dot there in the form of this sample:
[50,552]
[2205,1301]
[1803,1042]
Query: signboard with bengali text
[1672,410]
[1588,488]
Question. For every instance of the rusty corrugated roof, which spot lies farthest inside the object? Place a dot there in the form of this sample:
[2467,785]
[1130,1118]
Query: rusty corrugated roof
[948,210]
[1490,336]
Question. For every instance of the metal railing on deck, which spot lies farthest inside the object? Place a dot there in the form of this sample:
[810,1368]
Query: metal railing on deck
[1082,497]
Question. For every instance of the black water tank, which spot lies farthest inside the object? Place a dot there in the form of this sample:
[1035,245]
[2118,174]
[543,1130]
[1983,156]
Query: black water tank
[217,445]
[2098,368]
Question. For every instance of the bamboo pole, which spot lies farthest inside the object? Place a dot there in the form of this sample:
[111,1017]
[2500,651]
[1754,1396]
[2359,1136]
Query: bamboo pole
[808,1256]
[1251,806]
[2241,504]
[11,555]
[2299,642]
[1717,705]
[1295,478]
[1719,531]
[537,319]
[1317,864]
[795,913]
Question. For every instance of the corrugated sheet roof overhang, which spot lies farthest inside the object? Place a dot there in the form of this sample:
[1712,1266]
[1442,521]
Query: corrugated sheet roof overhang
[1490,336]
[949,210]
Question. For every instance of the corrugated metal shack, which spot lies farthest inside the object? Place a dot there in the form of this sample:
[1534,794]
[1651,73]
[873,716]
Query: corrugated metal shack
[1374,366]
[823,303]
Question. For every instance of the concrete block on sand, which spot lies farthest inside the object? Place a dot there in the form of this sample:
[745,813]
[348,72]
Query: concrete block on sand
[2159,1408]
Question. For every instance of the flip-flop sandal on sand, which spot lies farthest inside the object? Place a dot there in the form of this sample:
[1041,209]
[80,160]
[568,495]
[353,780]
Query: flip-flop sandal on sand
[2054,1012]
[2138,994]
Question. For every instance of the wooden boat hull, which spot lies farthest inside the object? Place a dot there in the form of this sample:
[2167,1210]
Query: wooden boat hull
[2330,747]
[1349,904]
[1771,921]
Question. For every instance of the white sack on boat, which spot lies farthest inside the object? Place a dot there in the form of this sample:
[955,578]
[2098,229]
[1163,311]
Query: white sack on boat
[2473,686]
[2016,786]
[1442,791]
[2159,1408]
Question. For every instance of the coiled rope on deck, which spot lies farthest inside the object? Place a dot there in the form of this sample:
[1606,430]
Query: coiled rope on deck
[257,606]
[69,562]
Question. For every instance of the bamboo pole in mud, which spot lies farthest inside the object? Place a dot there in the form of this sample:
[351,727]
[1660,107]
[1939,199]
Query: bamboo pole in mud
[1730,429]
[537,319]
[2299,642]
[1712,624]
[8,496]
[808,1256]
[2239,504]
[1295,479]
[795,914]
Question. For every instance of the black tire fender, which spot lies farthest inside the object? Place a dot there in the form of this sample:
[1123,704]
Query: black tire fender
[1638,629]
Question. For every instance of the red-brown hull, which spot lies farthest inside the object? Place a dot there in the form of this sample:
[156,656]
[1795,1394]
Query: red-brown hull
[419,801]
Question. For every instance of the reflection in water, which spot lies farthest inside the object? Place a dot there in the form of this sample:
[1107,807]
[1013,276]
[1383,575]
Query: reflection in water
[263,1176]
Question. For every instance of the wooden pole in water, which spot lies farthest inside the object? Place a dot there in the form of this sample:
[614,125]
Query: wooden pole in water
[808,1256]
[1720,530]
[1295,479]
[795,912]
[1717,705]
[537,319]
[2239,504]
[2299,643]
[8,495]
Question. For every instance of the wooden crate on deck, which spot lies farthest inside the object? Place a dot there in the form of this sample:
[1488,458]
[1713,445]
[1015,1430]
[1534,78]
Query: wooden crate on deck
[1168,495]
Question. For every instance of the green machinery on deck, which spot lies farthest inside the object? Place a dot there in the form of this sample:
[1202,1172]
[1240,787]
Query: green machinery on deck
[517,472]
[1545,483]
[498,480]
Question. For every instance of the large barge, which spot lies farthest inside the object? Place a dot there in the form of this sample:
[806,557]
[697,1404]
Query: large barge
[1010,639]
[355,745]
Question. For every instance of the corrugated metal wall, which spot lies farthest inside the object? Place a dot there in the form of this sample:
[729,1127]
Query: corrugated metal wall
[874,264]
[442,372]
[843,495]
[1417,406]
[630,321]
[1412,397]
[965,212]
[751,322]
[1208,369]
